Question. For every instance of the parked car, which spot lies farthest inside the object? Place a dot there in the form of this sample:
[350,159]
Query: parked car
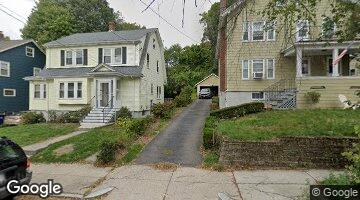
[205,93]
[14,165]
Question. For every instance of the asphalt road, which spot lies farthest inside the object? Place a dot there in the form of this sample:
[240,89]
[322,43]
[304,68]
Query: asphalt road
[180,142]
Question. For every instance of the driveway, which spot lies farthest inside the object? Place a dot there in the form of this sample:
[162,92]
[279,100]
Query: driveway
[180,142]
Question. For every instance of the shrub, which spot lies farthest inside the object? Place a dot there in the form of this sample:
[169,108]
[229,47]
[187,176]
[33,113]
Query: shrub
[134,126]
[215,103]
[238,111]
[76,116]
[32,118]
[210,138]
[163,110]
[124,112]
[55,117]
[312,97]
[108,151]
[354,157]
[184,98]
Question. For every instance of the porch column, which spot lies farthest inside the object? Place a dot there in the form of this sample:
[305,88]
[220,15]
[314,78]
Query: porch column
[335,67]
[298,62]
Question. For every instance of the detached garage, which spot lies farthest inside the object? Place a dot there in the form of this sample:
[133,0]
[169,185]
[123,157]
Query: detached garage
[212,81]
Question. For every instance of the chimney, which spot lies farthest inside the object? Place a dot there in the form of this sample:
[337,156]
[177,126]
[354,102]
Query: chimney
[112,26]
[2,36]
[222,50]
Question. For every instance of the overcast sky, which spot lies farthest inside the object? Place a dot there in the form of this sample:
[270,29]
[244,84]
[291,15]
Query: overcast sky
[132,12]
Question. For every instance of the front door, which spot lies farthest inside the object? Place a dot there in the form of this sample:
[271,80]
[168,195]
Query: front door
[104,94]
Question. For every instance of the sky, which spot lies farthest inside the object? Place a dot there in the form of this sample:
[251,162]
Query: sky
[131,11]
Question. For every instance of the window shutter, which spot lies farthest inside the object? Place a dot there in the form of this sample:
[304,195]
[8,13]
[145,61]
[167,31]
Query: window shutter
[124,55]
[85,52]
[62,58]
[100,55]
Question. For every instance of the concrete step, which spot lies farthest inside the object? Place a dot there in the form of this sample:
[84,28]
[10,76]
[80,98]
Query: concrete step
[92,125]
[100,114]
[96,120]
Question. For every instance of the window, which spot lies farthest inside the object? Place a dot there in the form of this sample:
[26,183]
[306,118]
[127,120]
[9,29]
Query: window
[36,71]
[107,56]
[152,88]
[257,95]
[270,68]
[258,66]
[158,92]
[4,69]
[40,91]
[328,28]
[258,31]
[62,90]
[271,33]
[157,66]
[69,57]
[30,52]
[118,55]
[154,44]
[246,32]
[148,61]
[302,30]
[79,90]
[70,90]
[9,92]
[245,69]
[79,57]
[305,67]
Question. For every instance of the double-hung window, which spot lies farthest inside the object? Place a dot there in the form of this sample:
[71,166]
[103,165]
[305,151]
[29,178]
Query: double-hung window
[107,56]
[270,69]
[245,69]
[69,57]
[40,91]
[70,90]
[302,30]
[258,66]
[4,69]
[151,88]
[29,52]
[271,31]
[118,55]
[115,56]
[79,57]
[258,33]
[158,92]
[246,31]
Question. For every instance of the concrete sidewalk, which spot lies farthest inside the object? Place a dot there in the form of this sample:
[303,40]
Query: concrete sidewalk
[135,182]
[34,148]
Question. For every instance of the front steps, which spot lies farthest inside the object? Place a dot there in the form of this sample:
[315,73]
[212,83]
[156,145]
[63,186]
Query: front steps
[281,94]
[98,117]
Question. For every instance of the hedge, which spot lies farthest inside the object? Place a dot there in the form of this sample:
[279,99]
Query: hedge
[238,111]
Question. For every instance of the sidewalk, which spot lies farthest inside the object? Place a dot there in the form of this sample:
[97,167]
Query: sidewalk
[34,148]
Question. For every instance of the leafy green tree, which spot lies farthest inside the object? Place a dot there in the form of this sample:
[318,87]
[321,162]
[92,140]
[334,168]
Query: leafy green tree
[48,21]
[210,21]
[172,55]
[122,26]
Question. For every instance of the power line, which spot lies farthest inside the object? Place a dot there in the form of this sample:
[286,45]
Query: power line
[13,12]
[12,16]
[166,21]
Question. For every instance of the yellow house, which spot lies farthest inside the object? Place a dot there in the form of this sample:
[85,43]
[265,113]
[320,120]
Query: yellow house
[259,64]
[107,70]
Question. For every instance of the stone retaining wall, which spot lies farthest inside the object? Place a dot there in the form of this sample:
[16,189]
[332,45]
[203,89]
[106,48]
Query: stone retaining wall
[287,152]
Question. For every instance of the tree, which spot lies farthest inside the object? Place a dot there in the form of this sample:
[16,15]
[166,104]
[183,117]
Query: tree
[210,21]
[122,26]
[48,21]
[172,55]
[344,13]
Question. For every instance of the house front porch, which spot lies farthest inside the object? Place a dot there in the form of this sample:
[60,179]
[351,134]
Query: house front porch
[315,72]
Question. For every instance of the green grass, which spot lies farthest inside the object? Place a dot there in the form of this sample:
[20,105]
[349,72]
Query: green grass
[33,133]
[133,152]
[272,124]
[85,145]
[211,159]
[341,179]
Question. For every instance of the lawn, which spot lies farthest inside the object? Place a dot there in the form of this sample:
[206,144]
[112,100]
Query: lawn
[272,124]
[33,133]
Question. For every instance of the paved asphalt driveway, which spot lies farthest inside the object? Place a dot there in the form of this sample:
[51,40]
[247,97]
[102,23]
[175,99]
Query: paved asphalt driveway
[180,142]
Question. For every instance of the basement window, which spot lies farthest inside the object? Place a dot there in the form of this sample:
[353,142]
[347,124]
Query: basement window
[257,96]
[9,93]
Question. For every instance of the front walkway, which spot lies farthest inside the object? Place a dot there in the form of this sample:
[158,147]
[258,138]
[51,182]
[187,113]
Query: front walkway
[34,148]
[135,182]
[180,142]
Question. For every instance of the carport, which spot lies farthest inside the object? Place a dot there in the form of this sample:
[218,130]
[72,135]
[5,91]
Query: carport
[212,81]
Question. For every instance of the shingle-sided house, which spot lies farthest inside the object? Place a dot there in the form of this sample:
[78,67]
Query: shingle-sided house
[18,59]
[107,70]
[259,64]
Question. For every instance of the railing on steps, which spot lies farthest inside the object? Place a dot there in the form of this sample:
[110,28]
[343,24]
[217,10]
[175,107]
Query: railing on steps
[88,105]
[111,102]
[283,92]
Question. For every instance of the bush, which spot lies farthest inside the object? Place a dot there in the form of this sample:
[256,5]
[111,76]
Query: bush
[124,112]
[163,110]
[354,157]
[134,126]
[215,103]
[56,118]
[32,118]
[312,97]
[210,138]
[108,151]
[76,116]
[238,111]
[184,98]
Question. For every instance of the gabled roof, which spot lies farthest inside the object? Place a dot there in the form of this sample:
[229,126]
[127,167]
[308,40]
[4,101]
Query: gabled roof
[206,78]
[130,36]
[10,44]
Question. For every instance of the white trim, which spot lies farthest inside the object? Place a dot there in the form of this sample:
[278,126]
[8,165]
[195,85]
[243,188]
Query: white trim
[66,90]
[252,31]
[33,51]
[267,68]
[206,78]
[42,91]
[112,55]
[305,38]
[8,68]
[20,44]
[242,69]
[7,89]
[248,31]
[263,66]
[267,33]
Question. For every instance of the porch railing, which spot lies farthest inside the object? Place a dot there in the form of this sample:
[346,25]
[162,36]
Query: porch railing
[111,103]
[88,107]
[276,90]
